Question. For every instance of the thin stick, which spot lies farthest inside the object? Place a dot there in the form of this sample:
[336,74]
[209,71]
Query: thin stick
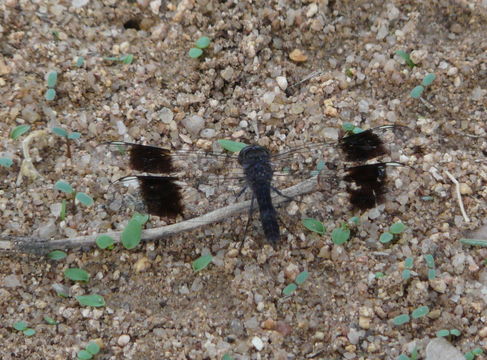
[459,196]
[34,245]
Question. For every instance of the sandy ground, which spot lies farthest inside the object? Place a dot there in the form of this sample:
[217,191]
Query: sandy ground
[156,306]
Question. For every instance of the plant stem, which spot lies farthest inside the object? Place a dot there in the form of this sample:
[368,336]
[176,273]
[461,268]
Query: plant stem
[68,148]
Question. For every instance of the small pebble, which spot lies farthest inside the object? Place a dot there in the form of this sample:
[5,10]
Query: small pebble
[465,189]
[123,340]
[298,56]
[208,133]
[142,264]
[194,124]
[440,349]
[258,344]
[282,82]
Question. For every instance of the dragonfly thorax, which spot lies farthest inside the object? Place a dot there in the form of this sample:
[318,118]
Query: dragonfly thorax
[255,161]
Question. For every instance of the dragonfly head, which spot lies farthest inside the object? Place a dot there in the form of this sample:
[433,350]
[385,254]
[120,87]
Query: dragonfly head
[252,153]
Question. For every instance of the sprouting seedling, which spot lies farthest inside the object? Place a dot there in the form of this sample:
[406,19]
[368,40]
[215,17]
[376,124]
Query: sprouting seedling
[408,264]
[77,274]
[51,79]
[125,59]
[68,136]
[341,234]
[416,314]
[6,162]
[430,261]
[201,263]
[81,197]
[418,90]
[200,44]
[132,233]
[300,279]
[50,321]
[414,355]
[314,225]
[472,354]
[350,128]
[94,300]
[18,131]
[91,349]
[232,146]
[393,232]
[105,242]
[22,326]
[448,333]
[80,61]
[405,56]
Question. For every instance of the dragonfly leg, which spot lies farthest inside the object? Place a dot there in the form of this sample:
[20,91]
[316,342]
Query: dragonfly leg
[289,198]
[241,192]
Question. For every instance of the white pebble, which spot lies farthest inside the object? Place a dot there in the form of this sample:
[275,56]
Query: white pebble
[166,115]
[363,106]
[123,340]
[268,97]
[208,133]
[258,344]
[194,124]
[79,3]
[122,129]
[282,82]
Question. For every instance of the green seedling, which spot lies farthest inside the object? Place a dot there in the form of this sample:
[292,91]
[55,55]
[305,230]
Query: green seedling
[68,136]
[232,146]
[430,261]
[474,242]
[200,44]
[105,242]
[125,59]
[448,333]
[350,129]
[76,196]
[417,92]
[94,300]
[314,225]
[472,354]
[22,326]
[201,263]
[92,348]
[18,131]
[132,233]
[379,275]
[57,255]
[299,280]
[405,56]
[80,61]
[394,231]
[227,357]
[55,35]
[416,314]
[51,86]
[408,264]
[77,274]
[50,320]
[6,162]
[340,235]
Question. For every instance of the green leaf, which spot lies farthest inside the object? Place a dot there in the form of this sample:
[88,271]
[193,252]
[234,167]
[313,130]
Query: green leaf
[403,357]
[431,274]
[406,274]
[59,131]
[348,127]
[84,355]
[357,130]
[64,187]
[20,325]
[355,220]
[340,235]
[76,274]
[85,199]
[401,319]
[443,333]
[52,79]
[474,242]
[80,61]
[301,278]
[417,92]
[104,241]
[397,228]
[408,263]
[111,58]
[93,348]
[231,146]
[74,135]
[203,42]
[201,262]
[386,237]
[57,255]
[6,162]
[131,234]
[455,332]
[195,53]
[29,332]
[18,131]
[414,354]
[288,290]
[406,58]
[469,356]
[50,94]
[141,219]
[379,275]
[420,312]
[62,212]
[314,225]
[50,320]
[127,59]
[428,79]
[227,357]
[91,300]
[430,261]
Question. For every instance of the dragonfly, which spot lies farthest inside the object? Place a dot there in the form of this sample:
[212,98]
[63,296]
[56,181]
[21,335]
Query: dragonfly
[170,173]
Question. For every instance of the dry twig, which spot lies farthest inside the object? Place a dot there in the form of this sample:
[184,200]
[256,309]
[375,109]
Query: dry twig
[39,246]
[459,196]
